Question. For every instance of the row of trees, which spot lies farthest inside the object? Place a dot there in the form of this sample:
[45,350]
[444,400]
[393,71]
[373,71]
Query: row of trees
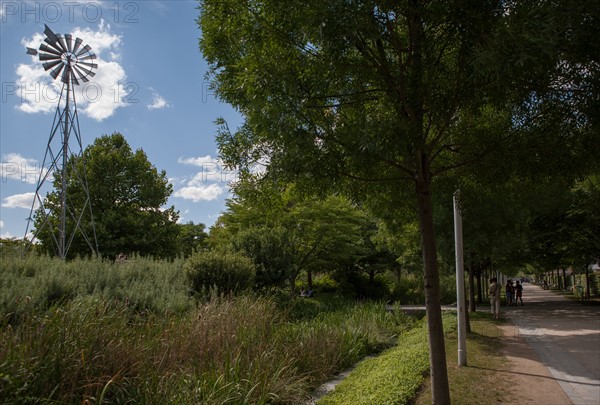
[394,106]
[391,102]
[289,233]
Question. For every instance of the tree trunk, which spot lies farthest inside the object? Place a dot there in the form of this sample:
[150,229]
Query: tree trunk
[587,283]
[309,282]
[558,282]
[437,351]
[467,317]
[564,278]
[292,279]
[479,288]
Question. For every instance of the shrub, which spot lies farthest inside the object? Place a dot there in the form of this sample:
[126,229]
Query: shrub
[324,283]
[408,290]
[228,272]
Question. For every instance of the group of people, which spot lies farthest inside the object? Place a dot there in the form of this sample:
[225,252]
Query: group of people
[514,293]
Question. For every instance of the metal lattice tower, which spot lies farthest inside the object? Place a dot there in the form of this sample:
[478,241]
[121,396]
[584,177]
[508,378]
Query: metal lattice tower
[73,63]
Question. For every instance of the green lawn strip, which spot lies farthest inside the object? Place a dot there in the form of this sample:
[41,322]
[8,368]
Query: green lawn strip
[395,376]
[483,380]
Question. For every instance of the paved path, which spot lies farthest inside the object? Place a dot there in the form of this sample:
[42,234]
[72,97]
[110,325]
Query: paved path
[566,336]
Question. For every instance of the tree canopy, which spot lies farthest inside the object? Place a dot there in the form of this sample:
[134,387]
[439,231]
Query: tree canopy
[286,232]
[380,98]
[127,196]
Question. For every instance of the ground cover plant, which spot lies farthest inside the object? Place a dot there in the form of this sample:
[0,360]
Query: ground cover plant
[116,333]
[394,377]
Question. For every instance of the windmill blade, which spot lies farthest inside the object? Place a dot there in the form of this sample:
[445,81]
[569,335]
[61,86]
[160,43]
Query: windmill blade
[61,40]
[48,56]
[46,48]
[31,51]
[78,42]
[83,73]
[90,56]
[57,71]
[69,40]
[55,46]
[50,65]
[85,49]
[52,37]
[73,78]
[91,65]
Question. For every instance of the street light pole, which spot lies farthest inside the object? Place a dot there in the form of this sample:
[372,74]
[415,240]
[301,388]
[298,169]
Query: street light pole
[460,283]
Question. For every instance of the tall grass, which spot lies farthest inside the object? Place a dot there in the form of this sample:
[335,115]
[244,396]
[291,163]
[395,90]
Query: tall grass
[102,333]
[239,350]
[36,283]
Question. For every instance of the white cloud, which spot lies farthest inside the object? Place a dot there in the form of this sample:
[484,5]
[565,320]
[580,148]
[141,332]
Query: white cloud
[182,215]
[19,201]
[158,102]
[16,167]
[98,99]
[213,170]
[198,161]
[4,235]
[200,193]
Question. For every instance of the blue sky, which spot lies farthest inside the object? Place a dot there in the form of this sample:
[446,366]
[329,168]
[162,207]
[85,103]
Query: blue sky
[150,86]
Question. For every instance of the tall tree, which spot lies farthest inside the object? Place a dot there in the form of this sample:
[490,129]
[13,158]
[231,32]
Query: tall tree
[374,96]
[192,237]
[287,233]
[128,194]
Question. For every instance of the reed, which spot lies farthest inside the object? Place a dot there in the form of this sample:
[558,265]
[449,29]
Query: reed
[92,331]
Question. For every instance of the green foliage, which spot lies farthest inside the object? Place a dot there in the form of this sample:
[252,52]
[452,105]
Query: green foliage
[409,290]
[192,237]
[394,377]
[324,283]
[580,280]
[11,247]
[228,272]
[286,233]
[380,100]
[127,198]
[274,252]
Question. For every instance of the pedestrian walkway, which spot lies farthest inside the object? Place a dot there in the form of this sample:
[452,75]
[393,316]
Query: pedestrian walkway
[566,337]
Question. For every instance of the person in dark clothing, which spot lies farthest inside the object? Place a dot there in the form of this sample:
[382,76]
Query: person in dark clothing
[519,293]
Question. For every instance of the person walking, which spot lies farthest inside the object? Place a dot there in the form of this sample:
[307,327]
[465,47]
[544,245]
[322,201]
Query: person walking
[494,293]
[519,293]
[509,293]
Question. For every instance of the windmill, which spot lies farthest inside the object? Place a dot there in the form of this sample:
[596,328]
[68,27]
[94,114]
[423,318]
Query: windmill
[72,63]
